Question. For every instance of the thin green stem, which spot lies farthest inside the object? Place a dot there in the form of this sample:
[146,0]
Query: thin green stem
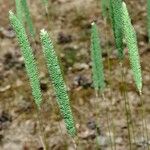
[108,120]
[41,129]
[144,122]
[126,104]
[107,117]
[53,105]
[48,16]
[110,75]
[143,126]
[96,107]
[74,143]
[46,5]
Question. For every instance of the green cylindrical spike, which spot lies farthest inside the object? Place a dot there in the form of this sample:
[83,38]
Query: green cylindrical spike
[97,62]
[29,59]
[58,82]
[131,40]
[116,18]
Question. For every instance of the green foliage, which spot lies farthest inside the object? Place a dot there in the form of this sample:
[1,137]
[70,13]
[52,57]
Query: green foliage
[111,14]
[105,8]
[131,40]
[58,82]
[19,10]
[29,59]
[45,2]
[116,18]
[148,18]
[97,63]
[28,18]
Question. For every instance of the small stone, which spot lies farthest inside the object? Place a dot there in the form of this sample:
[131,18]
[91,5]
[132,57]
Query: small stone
[63,39]
[103,140]
[82,81]
[119,140]
[44,86]
[79,66]
[87,134]
[91,125]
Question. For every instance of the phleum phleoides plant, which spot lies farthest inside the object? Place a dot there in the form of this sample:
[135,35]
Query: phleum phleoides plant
[122,28]
[31,67]
[58,82]
[131,41]
[98,71]
[54,70]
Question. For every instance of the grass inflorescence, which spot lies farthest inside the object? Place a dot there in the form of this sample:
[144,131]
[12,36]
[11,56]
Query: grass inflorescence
[58,82]
[97,62]
[29,59]
[98,74]
[116,19]
[123,30]
[131,41]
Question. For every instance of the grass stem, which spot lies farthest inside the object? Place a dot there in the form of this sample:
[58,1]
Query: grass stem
[144,123]
[110,84]
[126,105]
[108,121]
[41,129]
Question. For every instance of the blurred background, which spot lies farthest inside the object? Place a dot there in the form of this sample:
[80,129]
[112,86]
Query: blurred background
[69,24]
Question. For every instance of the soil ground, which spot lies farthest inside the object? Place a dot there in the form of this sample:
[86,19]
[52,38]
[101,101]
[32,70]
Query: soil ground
[68,23]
